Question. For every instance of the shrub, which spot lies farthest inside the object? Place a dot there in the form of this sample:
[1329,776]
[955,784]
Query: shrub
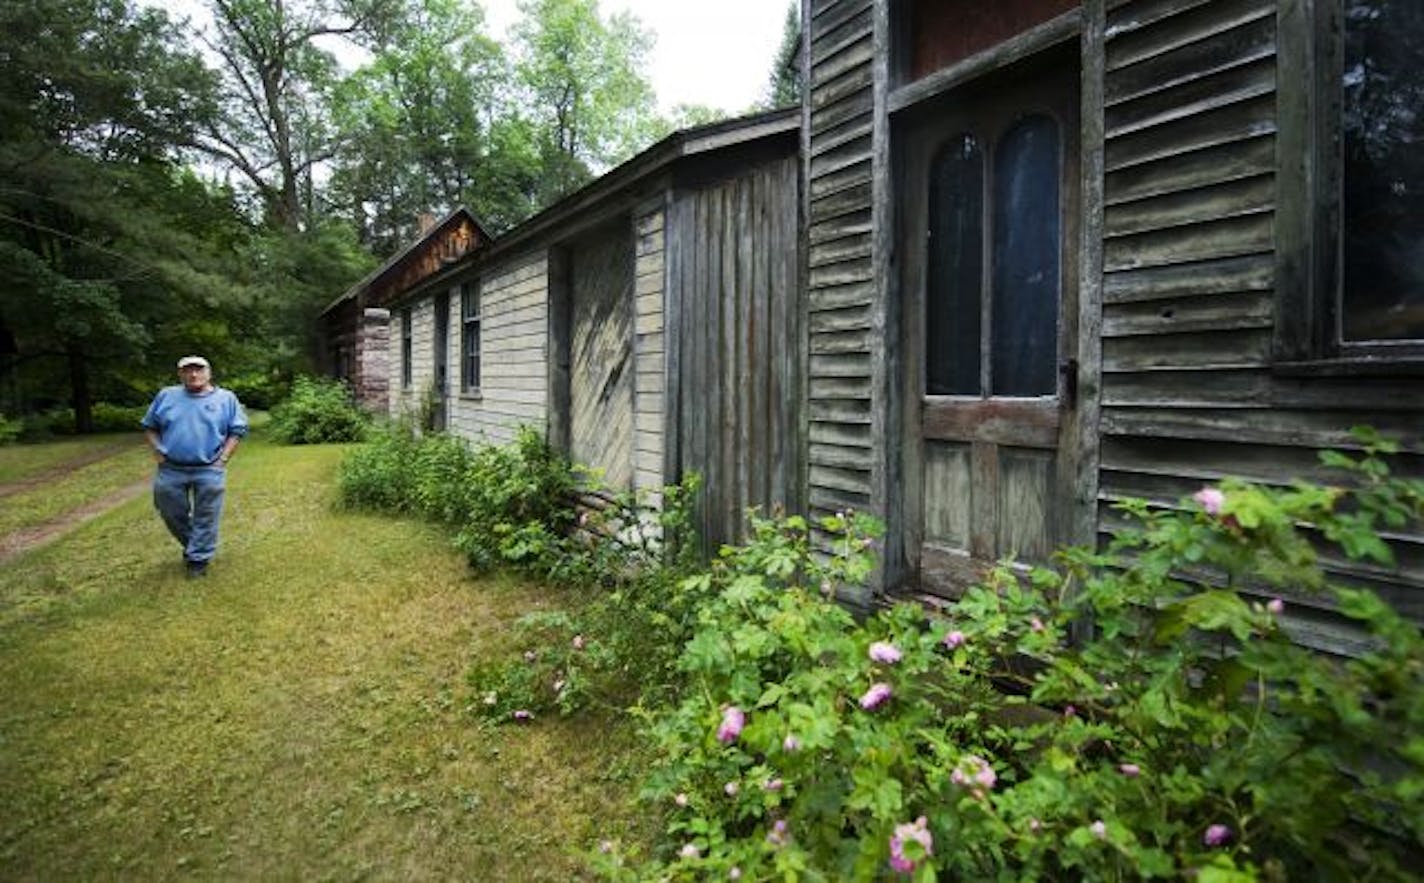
[318,411]
[259,390]
[377,475]
[10,429]
[1186,736]
[106,417]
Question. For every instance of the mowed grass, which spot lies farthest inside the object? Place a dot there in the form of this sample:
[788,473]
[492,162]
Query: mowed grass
[21,461]
[299,714]
[75,487]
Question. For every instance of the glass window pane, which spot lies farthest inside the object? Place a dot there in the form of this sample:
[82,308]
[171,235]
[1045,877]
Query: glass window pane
[955,268]
[1383,292]
[1024,343]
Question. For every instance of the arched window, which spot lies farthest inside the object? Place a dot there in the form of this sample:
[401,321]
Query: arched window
[956,268]
[1026,251]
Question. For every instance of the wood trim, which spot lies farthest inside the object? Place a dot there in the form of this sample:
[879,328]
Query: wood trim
[885,474]
[1300,195]
[1052,32]
[1085,436]
[1025,423]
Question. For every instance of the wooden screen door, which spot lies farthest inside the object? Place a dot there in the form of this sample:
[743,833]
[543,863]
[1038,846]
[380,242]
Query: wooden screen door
[989,234]
[441,348]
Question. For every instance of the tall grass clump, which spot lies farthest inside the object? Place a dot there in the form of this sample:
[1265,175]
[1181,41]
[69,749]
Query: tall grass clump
[319,411]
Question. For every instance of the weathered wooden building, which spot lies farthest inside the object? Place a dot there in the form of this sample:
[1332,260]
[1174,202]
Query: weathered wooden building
[1064,253]
[355,332]
[650,324]
[1009,264]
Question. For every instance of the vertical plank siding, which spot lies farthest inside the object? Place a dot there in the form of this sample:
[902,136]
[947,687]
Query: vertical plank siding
[733,341]
[513,353]
[1189,192]
[844,446]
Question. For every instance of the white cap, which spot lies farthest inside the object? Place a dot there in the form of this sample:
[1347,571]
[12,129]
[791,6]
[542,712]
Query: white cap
[193,360]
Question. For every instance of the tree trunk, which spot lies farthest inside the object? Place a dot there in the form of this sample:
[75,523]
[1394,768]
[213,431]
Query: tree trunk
[79,390]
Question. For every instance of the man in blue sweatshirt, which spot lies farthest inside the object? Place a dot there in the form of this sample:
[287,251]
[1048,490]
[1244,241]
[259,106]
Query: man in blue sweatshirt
[193,429]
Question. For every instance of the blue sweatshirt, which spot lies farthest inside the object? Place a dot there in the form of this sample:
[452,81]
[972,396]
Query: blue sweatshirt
[193,426]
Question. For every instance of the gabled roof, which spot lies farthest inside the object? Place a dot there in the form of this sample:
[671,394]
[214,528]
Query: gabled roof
[684,143]
[390,271]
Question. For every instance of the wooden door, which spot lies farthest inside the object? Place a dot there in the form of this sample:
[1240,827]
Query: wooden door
[442,361]
[989,232]
[601,353]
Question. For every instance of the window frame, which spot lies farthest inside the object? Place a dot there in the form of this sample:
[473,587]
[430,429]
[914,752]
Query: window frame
[471,291]
[1309,210]
[407,365]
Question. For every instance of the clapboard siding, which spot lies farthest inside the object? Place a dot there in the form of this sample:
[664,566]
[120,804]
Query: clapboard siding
[731,258]
[1190,394]
[649,413]
[841,285]
[514,334]
[408,399]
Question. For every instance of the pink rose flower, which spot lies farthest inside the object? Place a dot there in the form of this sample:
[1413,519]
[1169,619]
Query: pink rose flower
[689,851]
[523,716]
[1131,770]
[1035,624]
[578,642]
[1034,825]
[887,653]
[914,832]
[975,773]
[731,788]
[733,719]
[1217,835]
[875,697]
[1275,606]
[680,799]
[778,835]
[954,639]
[1099,829]
[790,743]
[734,873]
[1210,499]
[773,784]
[605,846]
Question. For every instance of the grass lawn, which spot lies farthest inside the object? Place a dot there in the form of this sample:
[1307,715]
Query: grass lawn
[21,461]
[299,714]
[73,488]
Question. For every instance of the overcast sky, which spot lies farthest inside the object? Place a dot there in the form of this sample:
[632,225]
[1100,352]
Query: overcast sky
[718,54]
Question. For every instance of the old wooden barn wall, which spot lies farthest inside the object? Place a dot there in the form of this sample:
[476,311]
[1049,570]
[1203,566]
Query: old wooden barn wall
[1180,280]
[1189,283]
[735,360]
[513,350]
[514,346]
[847,424]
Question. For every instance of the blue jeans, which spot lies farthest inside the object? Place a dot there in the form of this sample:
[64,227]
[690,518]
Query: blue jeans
[190,499]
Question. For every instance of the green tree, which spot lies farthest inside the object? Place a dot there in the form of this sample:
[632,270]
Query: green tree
[95,98]
[278,79]
[414,123]
[784,85]
[583,87]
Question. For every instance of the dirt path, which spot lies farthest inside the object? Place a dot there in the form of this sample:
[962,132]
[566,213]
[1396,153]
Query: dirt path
[13,545]
[59,471]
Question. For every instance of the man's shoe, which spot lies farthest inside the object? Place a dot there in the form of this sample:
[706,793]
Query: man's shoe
[197,569]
